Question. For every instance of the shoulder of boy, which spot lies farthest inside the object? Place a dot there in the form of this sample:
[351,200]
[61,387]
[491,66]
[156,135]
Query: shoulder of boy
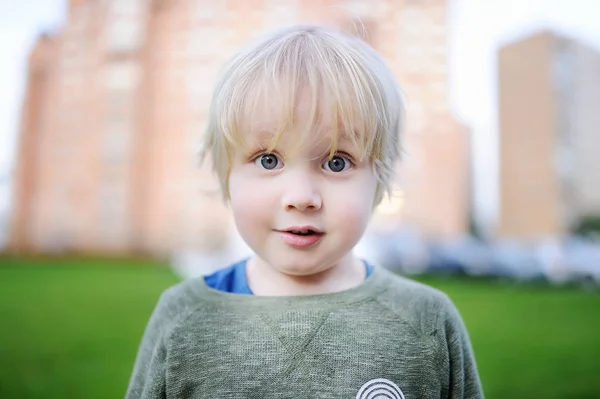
[428,309]
[176,302]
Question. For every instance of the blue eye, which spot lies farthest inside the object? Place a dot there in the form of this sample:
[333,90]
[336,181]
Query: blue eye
[268,161]
[337,164]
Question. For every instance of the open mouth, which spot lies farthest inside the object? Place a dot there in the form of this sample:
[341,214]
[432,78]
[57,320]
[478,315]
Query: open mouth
[301,237]
[303,232]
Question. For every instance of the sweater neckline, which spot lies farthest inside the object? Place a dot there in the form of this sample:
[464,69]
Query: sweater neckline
[373,285]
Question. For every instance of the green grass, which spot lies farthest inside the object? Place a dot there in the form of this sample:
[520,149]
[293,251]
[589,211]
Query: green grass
[531,341]
[71,327]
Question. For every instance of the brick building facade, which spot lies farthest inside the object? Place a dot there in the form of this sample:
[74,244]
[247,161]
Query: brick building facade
[549,97]
[118,99]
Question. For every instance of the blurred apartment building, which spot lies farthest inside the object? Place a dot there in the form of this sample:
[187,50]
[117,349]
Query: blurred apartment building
[118,99]
[549,99]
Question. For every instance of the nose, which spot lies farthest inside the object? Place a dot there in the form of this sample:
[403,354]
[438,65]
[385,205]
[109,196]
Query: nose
[302,194]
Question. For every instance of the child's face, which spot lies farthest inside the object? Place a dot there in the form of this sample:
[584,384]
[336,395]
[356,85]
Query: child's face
[300,188]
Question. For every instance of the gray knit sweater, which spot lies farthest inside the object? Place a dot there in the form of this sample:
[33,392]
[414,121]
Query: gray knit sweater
[388,338]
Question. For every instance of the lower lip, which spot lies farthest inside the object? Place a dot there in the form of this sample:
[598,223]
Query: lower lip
[298,241]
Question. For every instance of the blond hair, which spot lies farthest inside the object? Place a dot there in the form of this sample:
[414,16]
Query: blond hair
[341,69]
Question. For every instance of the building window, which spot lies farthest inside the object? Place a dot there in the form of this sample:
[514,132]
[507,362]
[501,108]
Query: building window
[116,145]
[564,67]
[207,11]
[125,28]
[112,213]
[564,80]
[280,13]
[124,34]
[122,75]
[204,43]
[127,7]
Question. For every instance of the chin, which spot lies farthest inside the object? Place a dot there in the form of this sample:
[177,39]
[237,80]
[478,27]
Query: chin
[300,272]
[296,270]
[303,269]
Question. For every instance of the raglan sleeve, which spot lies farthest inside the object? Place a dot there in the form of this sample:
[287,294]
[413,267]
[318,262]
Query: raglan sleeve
[465,382]
[148,377]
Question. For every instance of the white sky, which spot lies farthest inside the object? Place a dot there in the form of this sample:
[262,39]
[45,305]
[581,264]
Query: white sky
[478,27]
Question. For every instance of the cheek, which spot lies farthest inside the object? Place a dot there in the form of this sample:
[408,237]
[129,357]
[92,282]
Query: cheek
[353,214]
[352,208]
[249,202]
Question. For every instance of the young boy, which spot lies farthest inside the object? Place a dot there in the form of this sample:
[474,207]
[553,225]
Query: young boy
[303,134]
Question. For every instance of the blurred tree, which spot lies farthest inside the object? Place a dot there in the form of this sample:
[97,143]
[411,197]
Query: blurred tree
[588,226]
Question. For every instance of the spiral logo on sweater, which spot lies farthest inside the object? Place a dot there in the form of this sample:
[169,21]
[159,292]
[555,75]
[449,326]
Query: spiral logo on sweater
[380,388]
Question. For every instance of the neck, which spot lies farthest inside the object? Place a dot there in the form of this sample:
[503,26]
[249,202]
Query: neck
[266,280]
